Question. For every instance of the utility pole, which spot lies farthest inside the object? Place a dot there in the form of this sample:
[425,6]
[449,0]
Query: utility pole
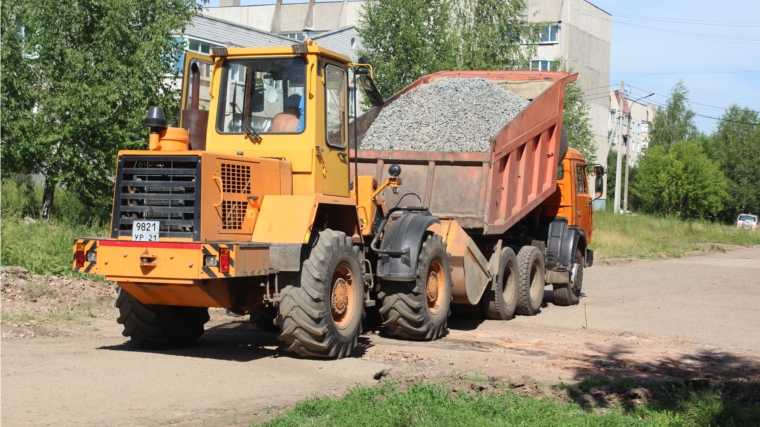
[619,163]
[627,160]
[628,151]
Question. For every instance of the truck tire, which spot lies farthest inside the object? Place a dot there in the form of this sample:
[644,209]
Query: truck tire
[564,144]
[322,316]
[565,294]
[159,327]
[531,281]
[419,310]
[501,304]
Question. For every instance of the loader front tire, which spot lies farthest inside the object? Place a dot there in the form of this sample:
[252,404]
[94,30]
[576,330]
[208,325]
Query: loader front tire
[159,327]
[565,294]
[322,316]
[419,310]
[531,282]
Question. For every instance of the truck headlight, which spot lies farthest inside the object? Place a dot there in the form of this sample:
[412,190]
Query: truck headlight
[210,260]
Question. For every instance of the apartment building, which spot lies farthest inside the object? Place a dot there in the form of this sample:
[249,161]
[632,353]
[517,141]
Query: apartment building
[641,116]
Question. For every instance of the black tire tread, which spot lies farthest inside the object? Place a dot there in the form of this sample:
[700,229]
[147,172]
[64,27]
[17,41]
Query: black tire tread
[524,259]
[493,300]
[563,294]
[159,327]
[404,305]
[304,308]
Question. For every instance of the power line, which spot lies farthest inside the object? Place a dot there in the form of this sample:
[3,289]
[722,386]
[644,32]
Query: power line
[689,34]
[683,21]
[667,97]
[696,36]
[706,72]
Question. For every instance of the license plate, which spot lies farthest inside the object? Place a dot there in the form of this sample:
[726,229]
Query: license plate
[145,231]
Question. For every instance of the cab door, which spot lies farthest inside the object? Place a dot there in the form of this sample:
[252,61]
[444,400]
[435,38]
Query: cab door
[584,207]
[332,155]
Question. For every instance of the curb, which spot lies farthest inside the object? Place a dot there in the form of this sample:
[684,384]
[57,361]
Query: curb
[617,261]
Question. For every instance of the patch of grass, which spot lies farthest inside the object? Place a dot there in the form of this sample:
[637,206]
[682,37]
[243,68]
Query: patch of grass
[645,236]
[43,247]
[589,383]
[624,382]
[433,405]
[478,378]
[66,312]
[711,406]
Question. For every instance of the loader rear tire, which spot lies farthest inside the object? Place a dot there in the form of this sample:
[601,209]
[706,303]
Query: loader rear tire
[501,303]
[419,310]
[531,282]
[322,316]
[565,294]
[159,327]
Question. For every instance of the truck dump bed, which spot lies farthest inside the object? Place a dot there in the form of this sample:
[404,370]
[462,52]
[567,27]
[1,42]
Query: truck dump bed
[488,191]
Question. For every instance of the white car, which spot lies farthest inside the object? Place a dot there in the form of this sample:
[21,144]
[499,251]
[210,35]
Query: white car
[750,222]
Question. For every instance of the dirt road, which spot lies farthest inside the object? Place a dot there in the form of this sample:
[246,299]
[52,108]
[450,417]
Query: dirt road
[655,320]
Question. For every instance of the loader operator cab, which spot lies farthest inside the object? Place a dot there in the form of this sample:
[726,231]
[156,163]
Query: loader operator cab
[261,95]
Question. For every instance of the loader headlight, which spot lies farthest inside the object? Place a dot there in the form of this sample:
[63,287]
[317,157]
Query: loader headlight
[210,260]
[92,256]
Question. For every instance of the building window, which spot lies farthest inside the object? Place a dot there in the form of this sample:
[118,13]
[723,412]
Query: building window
[643,146]
[550,34]
[645,127]
[541,65]
[612,116]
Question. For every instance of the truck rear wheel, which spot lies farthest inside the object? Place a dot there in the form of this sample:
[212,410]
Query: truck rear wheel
[159,327]
[531,282]
[322,316]
[419,310]
[500,304]
[569,294]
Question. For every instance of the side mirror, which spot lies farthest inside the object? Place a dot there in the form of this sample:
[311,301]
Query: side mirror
[599,181]
[371,90]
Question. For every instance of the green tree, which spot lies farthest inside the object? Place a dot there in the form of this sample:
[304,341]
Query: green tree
[576,119]
[492,34]
[674,122]
[680,181]
[78,82]
[736,145]
[406,39]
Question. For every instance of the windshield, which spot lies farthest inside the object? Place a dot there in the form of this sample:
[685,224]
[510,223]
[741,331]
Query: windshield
[265,95]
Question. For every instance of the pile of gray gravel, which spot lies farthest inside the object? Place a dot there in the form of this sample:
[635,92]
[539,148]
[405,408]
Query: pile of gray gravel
[450,115]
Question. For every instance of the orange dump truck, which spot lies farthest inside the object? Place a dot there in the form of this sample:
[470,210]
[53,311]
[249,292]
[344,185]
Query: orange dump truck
[257,204]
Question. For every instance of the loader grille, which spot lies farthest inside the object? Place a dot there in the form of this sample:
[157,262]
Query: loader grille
[162,188]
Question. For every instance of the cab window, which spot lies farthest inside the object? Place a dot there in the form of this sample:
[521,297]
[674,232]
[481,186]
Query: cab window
[335,106]
[580,172]
[265,94]
[204,68]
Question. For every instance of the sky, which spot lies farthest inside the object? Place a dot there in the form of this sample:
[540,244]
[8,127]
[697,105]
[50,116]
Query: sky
[713,46]
[710,45]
